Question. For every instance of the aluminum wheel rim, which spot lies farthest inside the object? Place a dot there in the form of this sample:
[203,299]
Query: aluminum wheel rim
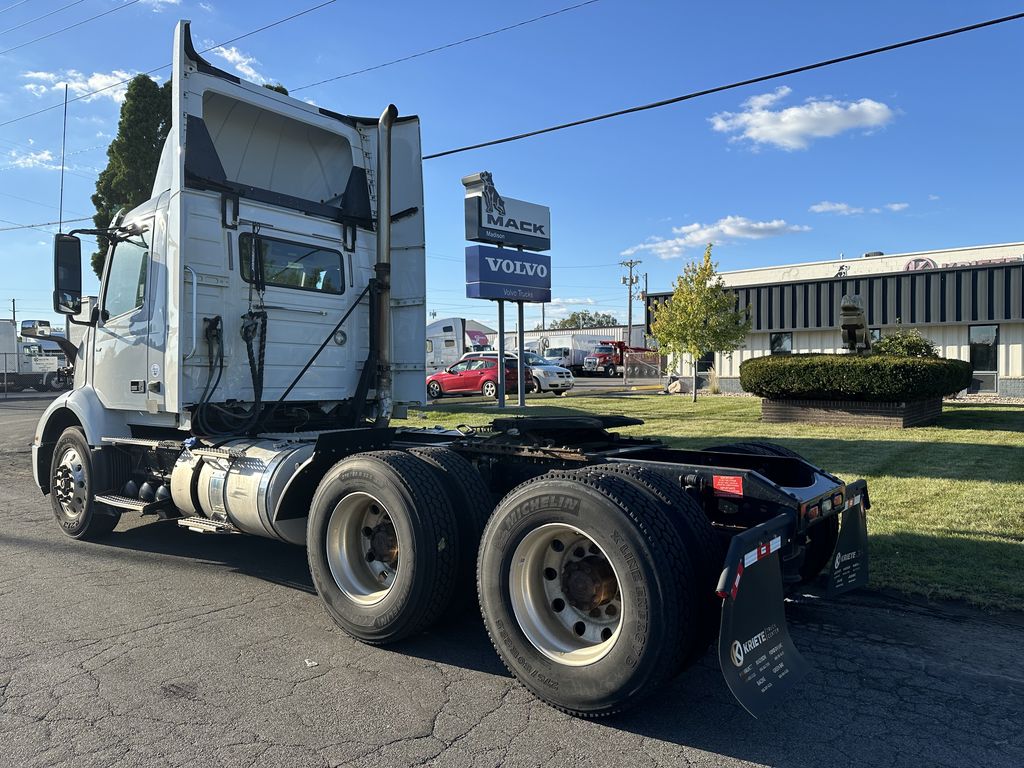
[490,388]
[357,525]
[553,620]
[71,488]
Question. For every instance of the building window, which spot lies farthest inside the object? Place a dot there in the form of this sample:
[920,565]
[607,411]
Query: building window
[781,343]
[984,340]
[706,362]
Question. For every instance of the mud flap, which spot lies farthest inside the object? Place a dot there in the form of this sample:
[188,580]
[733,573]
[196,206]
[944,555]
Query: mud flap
[848,568]
[757,655]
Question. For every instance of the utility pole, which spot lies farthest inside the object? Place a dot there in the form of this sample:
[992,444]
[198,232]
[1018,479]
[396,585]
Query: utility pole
[543,324]
[14,311]
[629,282]
[643,298]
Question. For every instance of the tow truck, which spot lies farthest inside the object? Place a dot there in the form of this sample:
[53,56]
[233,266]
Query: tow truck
[258,336]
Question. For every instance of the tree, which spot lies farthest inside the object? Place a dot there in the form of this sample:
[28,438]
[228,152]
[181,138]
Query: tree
[585,319]
[133,155]
[276,87]
[701,316]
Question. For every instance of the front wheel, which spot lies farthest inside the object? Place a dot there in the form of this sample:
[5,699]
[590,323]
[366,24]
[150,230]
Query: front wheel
[434,390]
[74,474]
[584,592]
[536,385]
[610,371]
[489,389]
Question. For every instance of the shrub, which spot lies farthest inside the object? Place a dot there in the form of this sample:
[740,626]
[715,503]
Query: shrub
[905,343]
[879,378]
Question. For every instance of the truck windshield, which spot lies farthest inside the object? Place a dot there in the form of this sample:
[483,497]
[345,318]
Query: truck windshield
[603,350]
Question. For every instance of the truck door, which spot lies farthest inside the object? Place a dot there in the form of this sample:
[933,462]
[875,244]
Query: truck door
[122,330]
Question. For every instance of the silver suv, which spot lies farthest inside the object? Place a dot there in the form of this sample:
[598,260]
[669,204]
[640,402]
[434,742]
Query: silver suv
[546,377]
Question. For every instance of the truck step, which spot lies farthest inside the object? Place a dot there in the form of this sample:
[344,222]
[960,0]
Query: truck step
[206,525]
[168,445]
[136,505]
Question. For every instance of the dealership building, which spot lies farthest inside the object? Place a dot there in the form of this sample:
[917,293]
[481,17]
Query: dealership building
[968,301]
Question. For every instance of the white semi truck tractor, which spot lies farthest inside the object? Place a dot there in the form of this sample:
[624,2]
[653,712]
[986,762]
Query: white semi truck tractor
[260,326]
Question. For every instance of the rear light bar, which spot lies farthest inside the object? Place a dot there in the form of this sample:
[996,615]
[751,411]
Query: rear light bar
[812,510]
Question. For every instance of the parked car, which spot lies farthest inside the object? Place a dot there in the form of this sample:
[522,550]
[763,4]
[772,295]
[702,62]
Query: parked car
[468,377]
[541,376]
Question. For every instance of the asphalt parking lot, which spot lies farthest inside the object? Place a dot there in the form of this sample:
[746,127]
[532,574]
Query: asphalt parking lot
[164,647]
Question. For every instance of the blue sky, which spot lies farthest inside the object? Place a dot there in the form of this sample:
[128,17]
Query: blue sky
[913,150]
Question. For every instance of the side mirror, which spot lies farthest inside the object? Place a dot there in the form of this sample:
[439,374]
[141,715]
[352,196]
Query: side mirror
[67,275]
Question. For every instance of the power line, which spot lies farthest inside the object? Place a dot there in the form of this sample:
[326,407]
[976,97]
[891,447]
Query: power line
[165,66]
[446,46]
[44,224]
[13,5]
[40,18]
[70,26]
[730,86]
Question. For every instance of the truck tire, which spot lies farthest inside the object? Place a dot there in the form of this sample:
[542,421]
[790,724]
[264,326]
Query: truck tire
[555,561]
[434,391]
[703,545]
[394,503]
[471,504]
[610,371]
[76,473]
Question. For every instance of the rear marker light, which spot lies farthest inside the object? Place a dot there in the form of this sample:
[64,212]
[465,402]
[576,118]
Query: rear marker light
[826,505]
[837,500]
[813,512]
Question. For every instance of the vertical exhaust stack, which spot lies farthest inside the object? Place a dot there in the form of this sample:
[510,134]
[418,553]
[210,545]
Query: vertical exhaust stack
[385,399]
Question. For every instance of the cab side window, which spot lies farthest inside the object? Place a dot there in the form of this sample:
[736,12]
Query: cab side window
[126,276]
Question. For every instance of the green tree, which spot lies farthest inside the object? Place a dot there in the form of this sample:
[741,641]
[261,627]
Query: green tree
[701,316]
[585,319]
[276,87]
[133,155]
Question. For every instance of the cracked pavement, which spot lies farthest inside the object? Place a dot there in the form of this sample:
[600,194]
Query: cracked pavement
[164,647]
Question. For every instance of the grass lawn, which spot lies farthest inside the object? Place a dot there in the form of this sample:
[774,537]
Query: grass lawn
[948,501]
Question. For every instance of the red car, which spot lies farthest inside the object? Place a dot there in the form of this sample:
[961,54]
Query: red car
[472,376]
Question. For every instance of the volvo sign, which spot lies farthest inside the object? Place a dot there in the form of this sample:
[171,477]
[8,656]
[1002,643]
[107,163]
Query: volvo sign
[507,275]
[491,218]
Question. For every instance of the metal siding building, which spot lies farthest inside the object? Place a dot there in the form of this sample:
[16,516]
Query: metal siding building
[968,301]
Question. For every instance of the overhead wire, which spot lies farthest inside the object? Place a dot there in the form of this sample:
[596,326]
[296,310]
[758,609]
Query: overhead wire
[730,86]
[40,18]
[165,66]
[446,46]
[70,26]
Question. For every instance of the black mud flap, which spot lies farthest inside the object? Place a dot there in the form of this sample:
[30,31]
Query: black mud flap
[848,568]
[757,656]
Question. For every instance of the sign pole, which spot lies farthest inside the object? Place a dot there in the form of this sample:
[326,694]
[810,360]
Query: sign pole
[501,353]
[520,340]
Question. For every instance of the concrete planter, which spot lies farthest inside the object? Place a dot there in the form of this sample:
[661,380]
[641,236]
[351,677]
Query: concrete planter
[853,413]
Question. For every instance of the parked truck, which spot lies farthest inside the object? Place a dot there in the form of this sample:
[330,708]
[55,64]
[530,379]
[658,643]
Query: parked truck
[260,326]
[608,358]
[569,351]
[451,338]
[22,362]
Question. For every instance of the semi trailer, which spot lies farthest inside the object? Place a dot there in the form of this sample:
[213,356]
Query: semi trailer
[260,330]
[22,362]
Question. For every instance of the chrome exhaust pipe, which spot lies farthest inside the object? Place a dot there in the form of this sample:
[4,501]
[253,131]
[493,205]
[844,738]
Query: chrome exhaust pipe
[385,401]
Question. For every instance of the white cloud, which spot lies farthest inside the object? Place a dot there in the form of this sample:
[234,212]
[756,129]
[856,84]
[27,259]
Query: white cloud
[42,159]
[933,197]
[159,5]
[570,302]
[793,127]
[722,231]
[843,209]
[242,62]
[897,206]
[208,7]
[111,85]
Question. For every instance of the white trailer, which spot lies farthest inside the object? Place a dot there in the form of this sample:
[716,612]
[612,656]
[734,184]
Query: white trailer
[569,351]
[259,325]
[23,364]
[449,339]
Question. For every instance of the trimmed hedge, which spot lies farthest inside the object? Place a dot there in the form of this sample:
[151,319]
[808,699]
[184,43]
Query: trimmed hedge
[876,378]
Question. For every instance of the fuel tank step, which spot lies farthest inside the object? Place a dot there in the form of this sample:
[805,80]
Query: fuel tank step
[137,505]
[206,525]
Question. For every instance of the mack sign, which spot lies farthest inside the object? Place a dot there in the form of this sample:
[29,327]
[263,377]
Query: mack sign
[507,275]
[491,218]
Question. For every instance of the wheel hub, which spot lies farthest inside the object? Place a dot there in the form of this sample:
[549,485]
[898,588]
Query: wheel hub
[69,486]
[384,544]
[363,548]
[589,583]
